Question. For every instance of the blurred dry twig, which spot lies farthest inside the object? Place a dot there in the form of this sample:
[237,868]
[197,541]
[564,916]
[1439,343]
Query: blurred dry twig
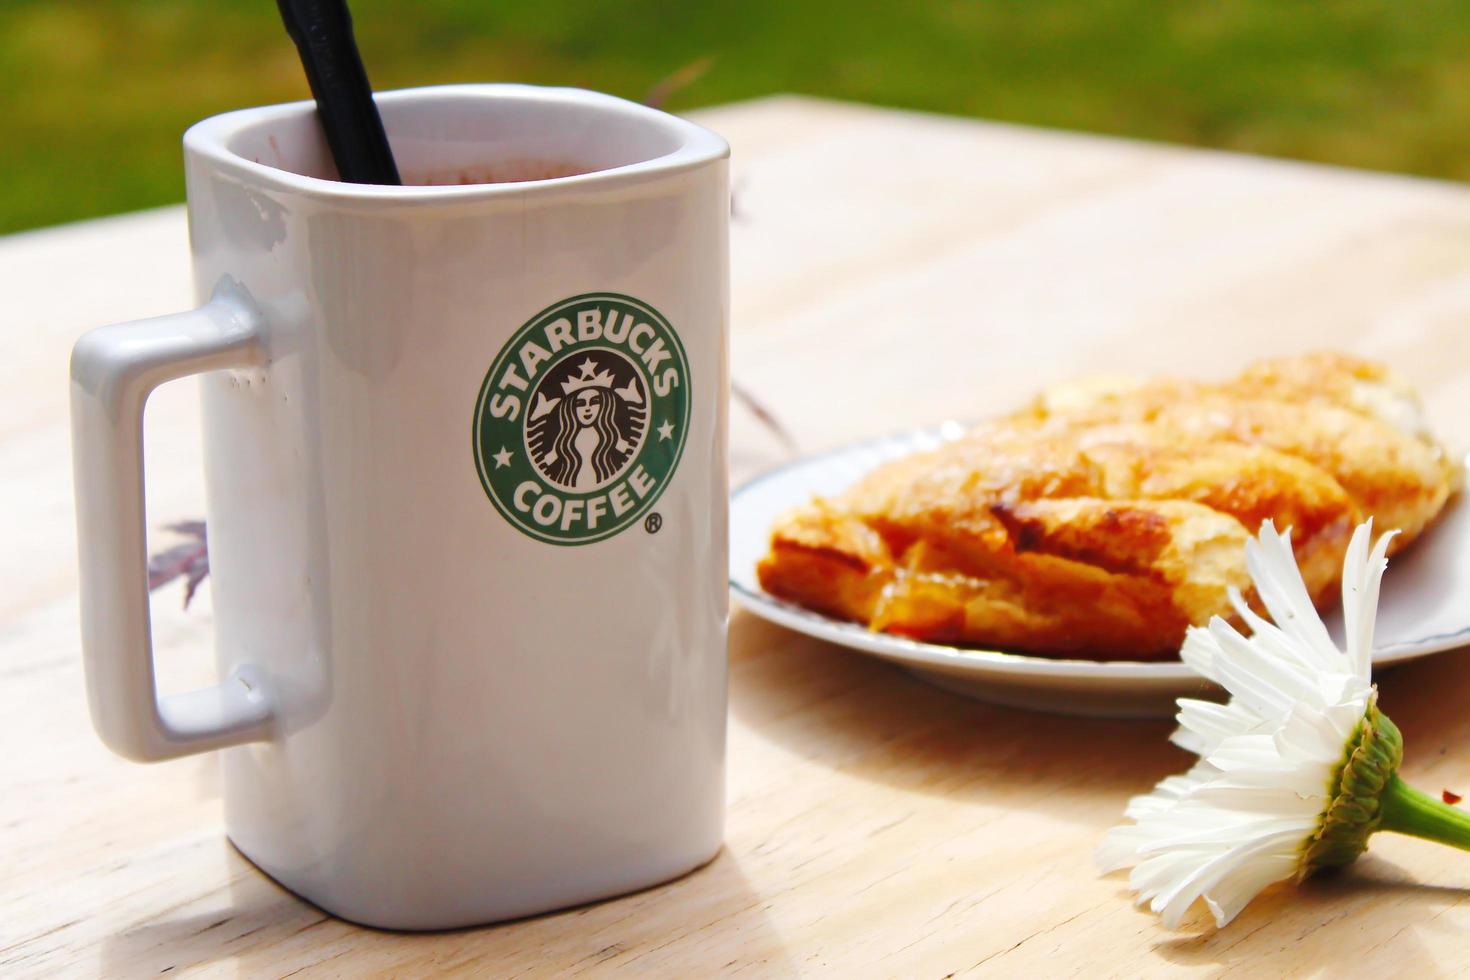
[188,560]
[679,78]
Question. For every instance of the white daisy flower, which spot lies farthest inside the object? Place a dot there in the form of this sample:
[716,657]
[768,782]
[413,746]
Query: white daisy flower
[1297,770]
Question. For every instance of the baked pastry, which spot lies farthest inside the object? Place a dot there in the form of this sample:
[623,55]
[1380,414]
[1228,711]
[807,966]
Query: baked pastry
[1108,516]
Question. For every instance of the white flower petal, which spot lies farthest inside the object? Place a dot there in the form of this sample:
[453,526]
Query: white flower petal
[1268,685]
[1119,848]
[1361,576]
[1342,688]
[1227,834]
[1273,569]
[1172,905]
[1278,800]
[1232,672]
[1232,894]
[1170,791]
[1354,592]
[1277,642]
[1201,650]
[1253,753]
[1203,725]
[1309,735]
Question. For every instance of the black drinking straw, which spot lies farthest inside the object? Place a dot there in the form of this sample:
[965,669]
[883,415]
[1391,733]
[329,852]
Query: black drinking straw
[322,30]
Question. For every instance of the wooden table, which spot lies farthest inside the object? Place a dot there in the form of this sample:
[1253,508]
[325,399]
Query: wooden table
[889,269]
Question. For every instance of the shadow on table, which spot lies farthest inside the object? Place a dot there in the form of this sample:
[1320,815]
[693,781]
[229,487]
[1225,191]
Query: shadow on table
[870,719]
[244,928]
[261,929]
[1370,905]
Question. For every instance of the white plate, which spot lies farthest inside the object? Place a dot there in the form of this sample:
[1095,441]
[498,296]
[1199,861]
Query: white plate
[1425,607]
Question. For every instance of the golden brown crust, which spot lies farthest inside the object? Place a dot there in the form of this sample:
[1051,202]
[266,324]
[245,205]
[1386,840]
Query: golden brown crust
[1105,518]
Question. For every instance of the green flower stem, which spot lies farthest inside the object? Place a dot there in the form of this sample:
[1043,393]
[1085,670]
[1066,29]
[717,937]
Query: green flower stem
[1405,810]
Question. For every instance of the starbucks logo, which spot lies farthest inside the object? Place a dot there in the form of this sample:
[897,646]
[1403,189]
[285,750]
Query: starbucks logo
[582,418]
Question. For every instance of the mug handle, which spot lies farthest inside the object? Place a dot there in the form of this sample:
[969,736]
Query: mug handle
[113,371]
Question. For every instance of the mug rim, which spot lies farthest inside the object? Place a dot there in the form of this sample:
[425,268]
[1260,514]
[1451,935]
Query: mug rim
[209,140]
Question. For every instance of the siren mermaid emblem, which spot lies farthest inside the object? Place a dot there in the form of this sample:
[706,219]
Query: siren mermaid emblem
[585,426]
[581,419]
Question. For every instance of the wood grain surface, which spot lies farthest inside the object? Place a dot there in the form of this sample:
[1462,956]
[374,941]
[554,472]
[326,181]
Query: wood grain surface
[890,269]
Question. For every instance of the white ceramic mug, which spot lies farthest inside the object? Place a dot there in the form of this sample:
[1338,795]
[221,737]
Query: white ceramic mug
[465,460]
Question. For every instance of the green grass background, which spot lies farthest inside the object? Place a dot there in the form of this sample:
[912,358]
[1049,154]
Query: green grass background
[94,94]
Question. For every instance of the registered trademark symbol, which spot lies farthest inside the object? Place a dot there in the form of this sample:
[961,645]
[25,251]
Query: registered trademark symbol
[652,523]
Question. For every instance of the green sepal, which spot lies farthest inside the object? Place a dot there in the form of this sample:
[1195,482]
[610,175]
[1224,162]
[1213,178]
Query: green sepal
[1374,752]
